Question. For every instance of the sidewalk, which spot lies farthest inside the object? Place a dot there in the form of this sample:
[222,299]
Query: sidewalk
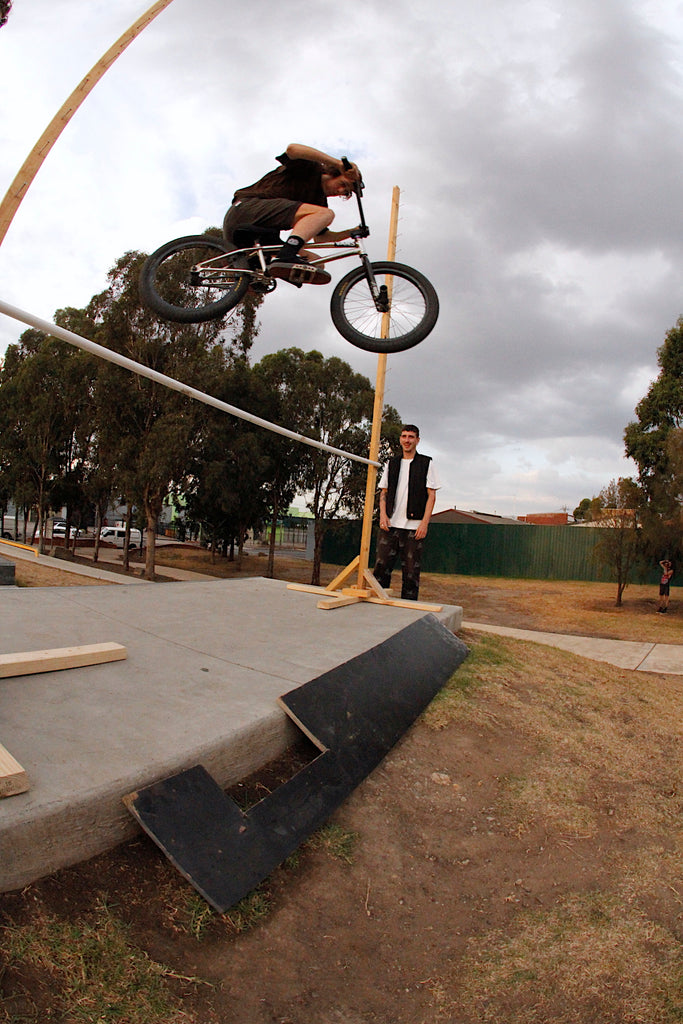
[110,556]
[22,554]
[641,656]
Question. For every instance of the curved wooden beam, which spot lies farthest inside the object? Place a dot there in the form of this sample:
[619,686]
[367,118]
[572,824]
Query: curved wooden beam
[34,160]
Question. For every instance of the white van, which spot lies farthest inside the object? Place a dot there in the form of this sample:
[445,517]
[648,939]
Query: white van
[116,535]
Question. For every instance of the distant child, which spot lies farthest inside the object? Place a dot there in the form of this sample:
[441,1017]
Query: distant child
[667,573]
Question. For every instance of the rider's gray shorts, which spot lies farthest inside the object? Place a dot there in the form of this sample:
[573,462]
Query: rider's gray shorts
[277,214]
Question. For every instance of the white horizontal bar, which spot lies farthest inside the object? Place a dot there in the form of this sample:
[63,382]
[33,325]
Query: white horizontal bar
[145,371]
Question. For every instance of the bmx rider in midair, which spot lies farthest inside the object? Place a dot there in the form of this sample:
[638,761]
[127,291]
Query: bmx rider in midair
[294,197]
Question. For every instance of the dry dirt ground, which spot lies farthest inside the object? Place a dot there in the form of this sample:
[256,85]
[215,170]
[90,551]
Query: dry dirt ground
[517,857]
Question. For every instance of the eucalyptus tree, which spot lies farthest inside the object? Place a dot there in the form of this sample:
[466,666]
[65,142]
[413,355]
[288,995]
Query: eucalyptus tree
[275,396]
[325,399]
[226,491]
[148,432]
[45,388]
[658,413]
[621,547]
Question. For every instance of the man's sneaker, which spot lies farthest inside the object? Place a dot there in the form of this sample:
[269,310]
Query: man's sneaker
[298,271]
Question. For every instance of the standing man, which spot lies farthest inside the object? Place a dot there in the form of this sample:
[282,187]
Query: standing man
[406,500]
[664,582]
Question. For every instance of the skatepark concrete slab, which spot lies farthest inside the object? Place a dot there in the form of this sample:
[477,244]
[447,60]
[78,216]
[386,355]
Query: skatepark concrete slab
[206,663]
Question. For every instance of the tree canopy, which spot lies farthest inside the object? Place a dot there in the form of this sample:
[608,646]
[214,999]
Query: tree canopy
[77,431]
[658,413]
[328,401]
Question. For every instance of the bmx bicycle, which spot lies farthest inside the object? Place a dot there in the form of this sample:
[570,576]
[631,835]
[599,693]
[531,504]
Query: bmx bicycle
[379,307]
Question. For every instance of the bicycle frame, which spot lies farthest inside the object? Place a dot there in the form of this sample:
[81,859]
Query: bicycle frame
[210,271]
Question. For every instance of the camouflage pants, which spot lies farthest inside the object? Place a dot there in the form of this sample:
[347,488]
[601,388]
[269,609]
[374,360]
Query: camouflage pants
[393,544]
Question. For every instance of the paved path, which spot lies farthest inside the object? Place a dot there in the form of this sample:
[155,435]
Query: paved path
[633,654]
[16,552]
[99,571]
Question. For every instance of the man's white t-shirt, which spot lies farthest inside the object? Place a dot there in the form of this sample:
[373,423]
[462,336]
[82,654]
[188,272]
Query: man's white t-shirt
[400,518]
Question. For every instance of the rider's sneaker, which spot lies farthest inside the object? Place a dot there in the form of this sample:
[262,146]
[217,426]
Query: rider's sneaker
[298,271]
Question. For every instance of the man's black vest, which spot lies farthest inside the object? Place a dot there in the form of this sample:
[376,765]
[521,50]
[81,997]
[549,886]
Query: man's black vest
[417,484]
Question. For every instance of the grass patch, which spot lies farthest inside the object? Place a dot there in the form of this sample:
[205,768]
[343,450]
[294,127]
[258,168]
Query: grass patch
[608,743]
[588,959]
[488,656]
[336,841]
[187,912]
[89,971]
[250,910]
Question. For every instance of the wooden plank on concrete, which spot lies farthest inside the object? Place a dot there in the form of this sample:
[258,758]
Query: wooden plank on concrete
[29,662]
[13,778]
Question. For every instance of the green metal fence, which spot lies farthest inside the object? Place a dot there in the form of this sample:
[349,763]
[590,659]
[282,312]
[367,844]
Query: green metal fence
[526,552]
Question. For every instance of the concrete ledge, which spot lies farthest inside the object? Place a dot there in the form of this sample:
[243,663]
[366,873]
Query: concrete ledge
[7,572]
[206,664]
[59,551]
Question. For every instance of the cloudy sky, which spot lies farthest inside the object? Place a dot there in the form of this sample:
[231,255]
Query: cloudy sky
[538,146]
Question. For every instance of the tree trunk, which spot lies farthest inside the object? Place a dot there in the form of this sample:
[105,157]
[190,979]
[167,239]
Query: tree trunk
[153,503]
[270,571]
[240,546]
[317,553]
[98,529]
[126,540]
[150,550]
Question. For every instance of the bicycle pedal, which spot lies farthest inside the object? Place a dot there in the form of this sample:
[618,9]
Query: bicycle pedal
[299,274]
[303,275]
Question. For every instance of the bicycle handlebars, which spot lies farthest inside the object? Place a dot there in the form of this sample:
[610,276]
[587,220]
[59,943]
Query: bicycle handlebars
[358,187]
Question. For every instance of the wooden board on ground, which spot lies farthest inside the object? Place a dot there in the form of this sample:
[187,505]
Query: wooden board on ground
[354,714]
[29,662]
[13,778]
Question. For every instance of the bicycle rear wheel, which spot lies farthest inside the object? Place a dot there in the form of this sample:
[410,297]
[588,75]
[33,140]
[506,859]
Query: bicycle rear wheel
[414,308]
[192,279]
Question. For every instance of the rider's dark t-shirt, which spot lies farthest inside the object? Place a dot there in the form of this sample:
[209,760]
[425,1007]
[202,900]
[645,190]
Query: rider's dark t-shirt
[298,180]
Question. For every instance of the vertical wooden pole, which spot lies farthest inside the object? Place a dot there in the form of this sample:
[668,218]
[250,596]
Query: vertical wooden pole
[371,483]
[34,160]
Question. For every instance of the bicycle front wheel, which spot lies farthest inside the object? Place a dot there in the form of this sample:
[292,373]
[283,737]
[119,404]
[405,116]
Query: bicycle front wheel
[413,308]
[192,279]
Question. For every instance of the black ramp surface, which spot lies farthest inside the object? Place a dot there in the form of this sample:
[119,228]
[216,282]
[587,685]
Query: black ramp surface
[355,713]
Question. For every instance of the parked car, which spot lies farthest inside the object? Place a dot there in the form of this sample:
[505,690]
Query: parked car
[116,535]
[59,530]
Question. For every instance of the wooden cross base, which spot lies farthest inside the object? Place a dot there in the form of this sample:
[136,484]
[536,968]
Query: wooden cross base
[367,589]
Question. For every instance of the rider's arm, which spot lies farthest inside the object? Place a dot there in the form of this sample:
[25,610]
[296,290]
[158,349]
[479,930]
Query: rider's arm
[331,164]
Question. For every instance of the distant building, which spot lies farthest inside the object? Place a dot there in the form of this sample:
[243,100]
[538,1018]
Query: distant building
[456,515]
[546,518]
[614,517]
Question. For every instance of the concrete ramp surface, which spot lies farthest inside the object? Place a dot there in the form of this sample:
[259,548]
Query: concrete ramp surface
[206,664]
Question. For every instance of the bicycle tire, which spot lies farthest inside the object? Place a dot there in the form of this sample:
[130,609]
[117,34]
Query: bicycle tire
[166,288]
[414,308]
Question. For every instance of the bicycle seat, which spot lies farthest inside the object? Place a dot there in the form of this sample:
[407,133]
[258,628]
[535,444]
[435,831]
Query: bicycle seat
[248,234]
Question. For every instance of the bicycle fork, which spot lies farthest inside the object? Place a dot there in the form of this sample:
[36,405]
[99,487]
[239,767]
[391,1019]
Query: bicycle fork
[380,293]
